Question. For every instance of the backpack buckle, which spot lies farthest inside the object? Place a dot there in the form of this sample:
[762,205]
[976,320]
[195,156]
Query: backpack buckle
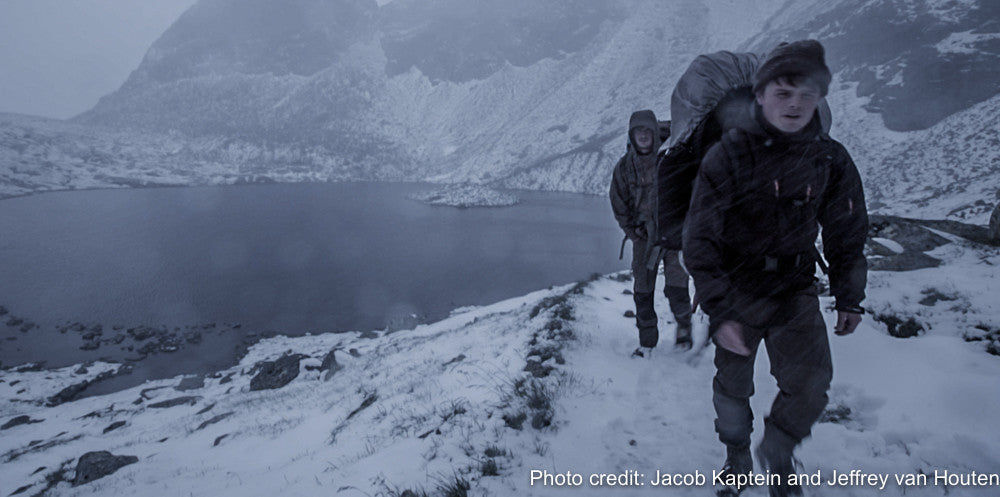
[770,263]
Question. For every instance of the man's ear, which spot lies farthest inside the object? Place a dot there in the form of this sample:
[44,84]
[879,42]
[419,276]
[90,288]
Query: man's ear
[759,97]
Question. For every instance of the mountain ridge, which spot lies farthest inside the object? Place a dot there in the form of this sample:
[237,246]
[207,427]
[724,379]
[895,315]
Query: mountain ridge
[552,121]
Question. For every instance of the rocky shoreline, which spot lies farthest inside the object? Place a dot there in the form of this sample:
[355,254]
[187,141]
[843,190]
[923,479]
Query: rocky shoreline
[123,351]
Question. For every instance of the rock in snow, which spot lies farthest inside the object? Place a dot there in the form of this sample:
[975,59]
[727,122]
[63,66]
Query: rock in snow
[276,374]
[95,465]
[19,420]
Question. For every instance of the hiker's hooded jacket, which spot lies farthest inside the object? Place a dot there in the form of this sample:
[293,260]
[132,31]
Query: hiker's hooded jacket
[633,183]
[758,203]
[712,96]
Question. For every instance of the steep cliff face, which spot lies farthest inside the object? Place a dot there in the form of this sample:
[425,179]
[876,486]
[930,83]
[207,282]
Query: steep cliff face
[289,72]
[291,37]
[462,40]
[477,90]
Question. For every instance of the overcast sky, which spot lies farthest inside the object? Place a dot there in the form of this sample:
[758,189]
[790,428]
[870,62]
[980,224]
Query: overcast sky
[57,57]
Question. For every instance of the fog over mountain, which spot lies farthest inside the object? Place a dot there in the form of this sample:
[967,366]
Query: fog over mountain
[516,94]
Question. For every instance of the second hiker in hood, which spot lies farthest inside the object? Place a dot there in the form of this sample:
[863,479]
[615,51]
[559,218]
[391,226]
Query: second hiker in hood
[633,200]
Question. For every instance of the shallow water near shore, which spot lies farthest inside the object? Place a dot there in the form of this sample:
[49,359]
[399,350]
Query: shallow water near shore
[195,274]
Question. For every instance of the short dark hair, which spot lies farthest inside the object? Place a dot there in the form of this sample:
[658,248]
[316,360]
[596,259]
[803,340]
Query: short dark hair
[796,79]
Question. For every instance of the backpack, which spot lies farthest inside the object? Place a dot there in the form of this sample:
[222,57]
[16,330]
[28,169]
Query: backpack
[664,130]
[713,95]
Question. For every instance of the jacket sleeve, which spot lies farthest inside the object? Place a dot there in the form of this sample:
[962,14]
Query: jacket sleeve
[622,200]
[703,241]
[844,218]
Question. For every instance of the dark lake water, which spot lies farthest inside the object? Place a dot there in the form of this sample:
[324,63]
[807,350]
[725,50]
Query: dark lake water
[281,258]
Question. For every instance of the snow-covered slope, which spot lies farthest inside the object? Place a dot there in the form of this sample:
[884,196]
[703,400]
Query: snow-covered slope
[38,154]
[542,382]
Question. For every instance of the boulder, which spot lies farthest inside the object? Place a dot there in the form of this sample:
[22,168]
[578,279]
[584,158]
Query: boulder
[330,362]
[20,420]
[276,374]
[68,394]
[189,400]
[114,426]
[95,465]
[190,383]
[912,235]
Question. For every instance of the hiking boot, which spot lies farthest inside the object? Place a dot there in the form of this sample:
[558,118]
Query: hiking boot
[648,336]
[642,352]
[775,455]
[683,341]
[738,465]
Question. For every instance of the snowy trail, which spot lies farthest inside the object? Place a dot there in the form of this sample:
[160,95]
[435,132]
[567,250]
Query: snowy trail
[418,409]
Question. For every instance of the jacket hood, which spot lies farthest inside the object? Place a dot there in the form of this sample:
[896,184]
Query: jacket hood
[644,118]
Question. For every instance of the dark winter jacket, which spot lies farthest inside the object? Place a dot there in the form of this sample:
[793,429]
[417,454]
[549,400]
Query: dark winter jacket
[757,206]
[633,183]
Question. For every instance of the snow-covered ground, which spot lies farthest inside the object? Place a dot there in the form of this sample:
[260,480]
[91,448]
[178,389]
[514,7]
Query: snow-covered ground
[539,383]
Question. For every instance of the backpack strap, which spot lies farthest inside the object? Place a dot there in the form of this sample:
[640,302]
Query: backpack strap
[736,144]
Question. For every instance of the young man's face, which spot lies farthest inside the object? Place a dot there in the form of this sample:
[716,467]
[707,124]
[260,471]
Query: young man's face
[643,139]
[786,107]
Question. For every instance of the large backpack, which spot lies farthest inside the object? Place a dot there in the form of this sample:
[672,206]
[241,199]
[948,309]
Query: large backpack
[713,96]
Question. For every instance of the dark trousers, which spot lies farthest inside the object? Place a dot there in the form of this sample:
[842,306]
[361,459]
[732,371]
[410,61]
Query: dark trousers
[795,336]
[644,285]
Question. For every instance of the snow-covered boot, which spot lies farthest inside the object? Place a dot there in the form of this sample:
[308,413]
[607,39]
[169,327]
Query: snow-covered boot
[683,341]
[738,462]
[775,455]
[642,352]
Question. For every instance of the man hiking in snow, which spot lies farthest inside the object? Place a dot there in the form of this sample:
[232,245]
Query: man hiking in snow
[749,242]
[633,200]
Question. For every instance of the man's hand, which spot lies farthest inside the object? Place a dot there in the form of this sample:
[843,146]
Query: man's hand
[847,322]
[730,337]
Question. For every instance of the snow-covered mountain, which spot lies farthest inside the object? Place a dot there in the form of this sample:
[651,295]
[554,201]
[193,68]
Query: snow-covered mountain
[526,94]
